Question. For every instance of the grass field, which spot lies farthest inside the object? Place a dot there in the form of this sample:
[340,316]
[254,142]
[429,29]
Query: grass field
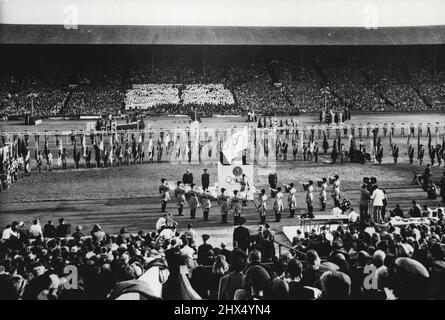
[128,196]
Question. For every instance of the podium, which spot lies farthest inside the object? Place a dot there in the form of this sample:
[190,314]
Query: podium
[229,177]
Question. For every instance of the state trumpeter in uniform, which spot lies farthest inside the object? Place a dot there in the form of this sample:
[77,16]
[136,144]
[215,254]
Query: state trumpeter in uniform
[223,202]
[278,205]
[236,205]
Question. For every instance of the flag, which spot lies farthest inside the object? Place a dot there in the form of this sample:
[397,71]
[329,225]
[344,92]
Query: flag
[101,144]
[37,139]
[390,138]
[84,144]
[111,150]
[429,140]
[301,139]
[418,139]
[236,143]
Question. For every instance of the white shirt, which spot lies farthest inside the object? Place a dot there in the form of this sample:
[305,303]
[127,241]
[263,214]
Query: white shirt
[36,230]
[167,233]
[353,216]
[191,234]
[378,196]
[7,233]
[336,211]
[161,222]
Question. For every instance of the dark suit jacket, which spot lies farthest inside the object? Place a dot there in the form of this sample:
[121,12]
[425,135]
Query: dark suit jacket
[229,284]
[205,179]
[242,236]
[187,178]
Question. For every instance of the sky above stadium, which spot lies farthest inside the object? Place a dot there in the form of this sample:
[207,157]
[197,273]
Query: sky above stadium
[291,13]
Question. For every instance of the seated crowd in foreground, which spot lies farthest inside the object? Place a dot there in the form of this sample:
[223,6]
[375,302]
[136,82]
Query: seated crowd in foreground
[403,263]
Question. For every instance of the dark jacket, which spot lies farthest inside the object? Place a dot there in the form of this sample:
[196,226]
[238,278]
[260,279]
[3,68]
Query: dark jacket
[242,236]
[187,178]
[205,180]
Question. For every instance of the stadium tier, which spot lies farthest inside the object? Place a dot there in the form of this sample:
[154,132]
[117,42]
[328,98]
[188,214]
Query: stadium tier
[224,80]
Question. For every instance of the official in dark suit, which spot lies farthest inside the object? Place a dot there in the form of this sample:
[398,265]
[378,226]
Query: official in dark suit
[241,235]
[187,178]
[205,180]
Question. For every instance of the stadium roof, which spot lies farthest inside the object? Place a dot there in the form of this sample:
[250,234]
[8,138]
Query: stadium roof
[219,35]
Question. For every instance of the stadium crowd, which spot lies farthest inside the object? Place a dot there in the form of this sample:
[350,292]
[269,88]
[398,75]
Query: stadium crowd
[351,262]
[359,81]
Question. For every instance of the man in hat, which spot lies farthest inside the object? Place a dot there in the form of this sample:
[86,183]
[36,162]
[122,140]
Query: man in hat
[241,235]
[204,249]
[205,180]
[411,280]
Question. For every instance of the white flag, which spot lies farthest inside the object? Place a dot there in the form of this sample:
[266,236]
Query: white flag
[84,145]
[236,143]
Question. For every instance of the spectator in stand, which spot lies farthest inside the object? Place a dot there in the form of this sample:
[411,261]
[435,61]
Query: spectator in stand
[297,291]
[219,269]
[35,230]
[241,235]
[228,284]
[312,273]
[78,233]
[203,250]
[335,285]
[97,234]
[257,285]
[63,229]
[49,230]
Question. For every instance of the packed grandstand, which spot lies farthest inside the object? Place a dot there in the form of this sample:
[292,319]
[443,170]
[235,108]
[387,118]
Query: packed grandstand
[63,81]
